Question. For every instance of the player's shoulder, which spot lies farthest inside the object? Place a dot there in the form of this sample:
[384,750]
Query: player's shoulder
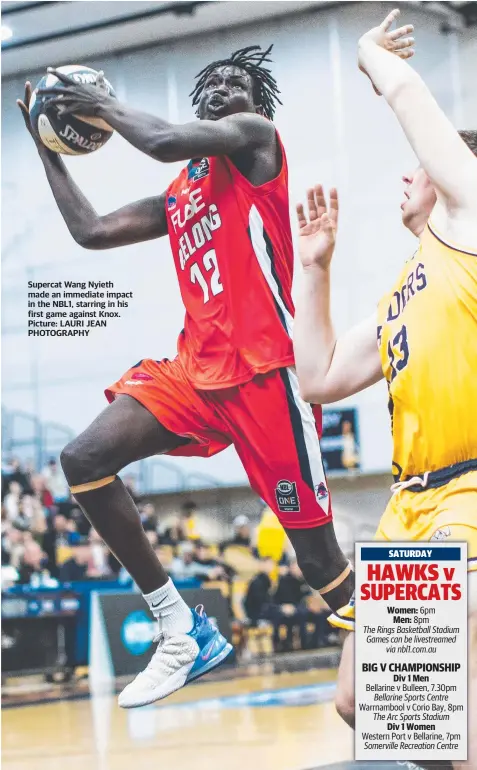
[254,124]
[452,231]
[249,118]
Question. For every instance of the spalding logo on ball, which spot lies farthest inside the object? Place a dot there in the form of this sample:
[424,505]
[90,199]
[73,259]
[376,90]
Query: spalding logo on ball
[68,134]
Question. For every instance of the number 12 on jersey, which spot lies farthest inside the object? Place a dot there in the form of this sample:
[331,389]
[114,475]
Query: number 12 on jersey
[209,261]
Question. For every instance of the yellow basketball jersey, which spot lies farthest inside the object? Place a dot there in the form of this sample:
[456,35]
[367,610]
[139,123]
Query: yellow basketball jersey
[427,337]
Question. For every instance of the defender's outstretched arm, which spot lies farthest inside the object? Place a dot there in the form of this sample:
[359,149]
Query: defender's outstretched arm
[329,368]
[444,156]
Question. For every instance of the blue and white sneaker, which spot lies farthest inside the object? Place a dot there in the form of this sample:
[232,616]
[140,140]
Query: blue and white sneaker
[177,660]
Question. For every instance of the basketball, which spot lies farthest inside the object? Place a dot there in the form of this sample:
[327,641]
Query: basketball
[68,134]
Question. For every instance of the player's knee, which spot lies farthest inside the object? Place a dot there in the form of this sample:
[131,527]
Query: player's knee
[72,463]
[345,705]
[82,464]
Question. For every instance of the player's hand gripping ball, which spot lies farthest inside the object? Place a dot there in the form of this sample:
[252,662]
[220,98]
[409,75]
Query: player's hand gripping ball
[70,128]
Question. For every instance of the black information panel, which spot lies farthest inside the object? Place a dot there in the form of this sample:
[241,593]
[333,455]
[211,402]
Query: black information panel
[29,644]
[37,632]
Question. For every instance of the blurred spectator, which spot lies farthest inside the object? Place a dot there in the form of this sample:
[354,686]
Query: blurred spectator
[182,565]
[288,608]
[174,534]
[67,533]
[99,564]
[56,482]
[31,515]
[292,587]
[215,568]
[22,519]
[41,491]
[13,538]
[202,556]
[185,565]
[318,612]
[165,555]
[32,568]
[78,566]
[82,524]
[12,500]
[29,466]
[258,598]
[241,534]
[350,451]
[9,576]
[61,533]
[11,471]
[293,606]
[149,517]
[5,537]
[218,570]
[188,520]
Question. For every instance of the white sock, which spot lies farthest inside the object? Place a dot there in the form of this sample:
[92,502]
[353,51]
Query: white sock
[170,609]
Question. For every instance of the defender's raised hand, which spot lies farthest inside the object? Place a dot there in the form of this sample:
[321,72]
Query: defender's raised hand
[397,41]
[317,233]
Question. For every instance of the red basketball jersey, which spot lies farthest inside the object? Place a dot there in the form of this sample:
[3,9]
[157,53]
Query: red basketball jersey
[233,254]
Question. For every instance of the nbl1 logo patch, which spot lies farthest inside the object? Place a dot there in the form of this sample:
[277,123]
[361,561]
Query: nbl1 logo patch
[198,169]
[287,497]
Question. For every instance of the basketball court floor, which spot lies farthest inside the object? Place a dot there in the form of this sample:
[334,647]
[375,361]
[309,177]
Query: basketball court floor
[267,721]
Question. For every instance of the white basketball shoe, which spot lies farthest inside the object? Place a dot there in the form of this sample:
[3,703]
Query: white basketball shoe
[178,660]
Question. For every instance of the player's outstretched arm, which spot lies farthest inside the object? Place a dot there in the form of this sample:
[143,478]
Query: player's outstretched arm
[328,368]
[168,142]
[156,137]
[140,221]
[444,156]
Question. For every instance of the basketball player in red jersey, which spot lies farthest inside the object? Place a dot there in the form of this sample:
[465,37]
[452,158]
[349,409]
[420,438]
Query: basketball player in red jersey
[233,382]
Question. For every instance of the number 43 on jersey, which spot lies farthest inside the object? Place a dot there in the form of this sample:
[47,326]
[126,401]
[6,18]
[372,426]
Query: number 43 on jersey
[398,352]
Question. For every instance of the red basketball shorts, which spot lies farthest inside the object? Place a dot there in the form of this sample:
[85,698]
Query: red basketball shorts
[274,432]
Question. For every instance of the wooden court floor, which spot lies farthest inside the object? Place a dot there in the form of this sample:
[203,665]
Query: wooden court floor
[269,722]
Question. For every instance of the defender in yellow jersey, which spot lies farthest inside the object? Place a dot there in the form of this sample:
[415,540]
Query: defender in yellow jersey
[427,340]
[426,328]
[432,395]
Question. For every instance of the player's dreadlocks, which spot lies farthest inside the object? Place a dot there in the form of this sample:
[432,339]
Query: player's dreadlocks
[250,60]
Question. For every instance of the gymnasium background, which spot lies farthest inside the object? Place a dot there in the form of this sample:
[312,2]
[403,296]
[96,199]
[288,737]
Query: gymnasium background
[335,131]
